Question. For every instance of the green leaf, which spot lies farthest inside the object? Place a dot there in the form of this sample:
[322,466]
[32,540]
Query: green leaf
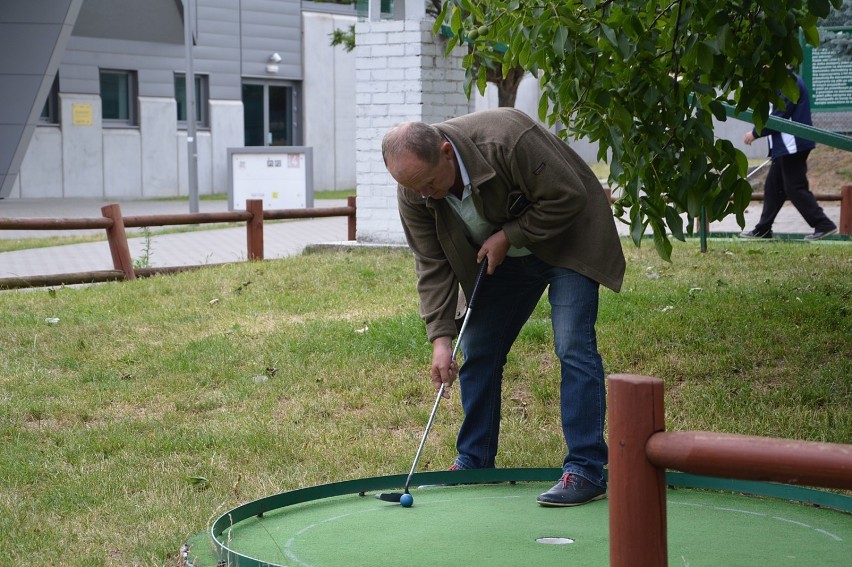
[811,33]
[705,57]
[742,162]
[820,8]
[675,222]
[481,81]
[524,55]
[543,106]
[742,195]
[662,244]
[441,18]
[725,39]
[790,89]
[559,39]
[694,200]
[637,228]
[718,110]
[473,8]
[610,35]
[456,21]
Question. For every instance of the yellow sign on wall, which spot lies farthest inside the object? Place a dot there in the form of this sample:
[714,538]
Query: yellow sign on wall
[81,114]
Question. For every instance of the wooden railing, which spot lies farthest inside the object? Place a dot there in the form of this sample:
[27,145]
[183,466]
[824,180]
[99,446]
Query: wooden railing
[115,224]
[640,451]
[844,227]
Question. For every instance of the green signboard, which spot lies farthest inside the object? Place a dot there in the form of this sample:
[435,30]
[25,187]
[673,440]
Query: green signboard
[828,77]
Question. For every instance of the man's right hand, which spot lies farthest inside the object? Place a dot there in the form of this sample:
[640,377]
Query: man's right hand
[444,368]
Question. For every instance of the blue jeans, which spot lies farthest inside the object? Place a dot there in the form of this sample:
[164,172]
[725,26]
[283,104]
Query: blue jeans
[505,302]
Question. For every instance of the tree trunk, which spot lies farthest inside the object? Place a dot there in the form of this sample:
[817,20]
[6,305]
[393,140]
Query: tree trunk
[507,87]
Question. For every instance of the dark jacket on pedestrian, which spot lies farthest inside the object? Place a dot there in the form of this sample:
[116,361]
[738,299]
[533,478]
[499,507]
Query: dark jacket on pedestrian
[782,144]
[525,180]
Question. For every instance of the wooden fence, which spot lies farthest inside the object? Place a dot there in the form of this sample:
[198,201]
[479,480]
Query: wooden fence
[640,451]
[115,224]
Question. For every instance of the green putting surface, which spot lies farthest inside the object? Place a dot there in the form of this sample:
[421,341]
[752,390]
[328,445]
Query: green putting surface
[499,524]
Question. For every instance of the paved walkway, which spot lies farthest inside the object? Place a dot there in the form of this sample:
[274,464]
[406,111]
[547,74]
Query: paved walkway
[281,238]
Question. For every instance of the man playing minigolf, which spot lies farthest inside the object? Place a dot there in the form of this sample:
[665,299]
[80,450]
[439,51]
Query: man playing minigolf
[497,185]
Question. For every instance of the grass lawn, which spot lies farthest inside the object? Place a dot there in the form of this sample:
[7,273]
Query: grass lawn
[133,413]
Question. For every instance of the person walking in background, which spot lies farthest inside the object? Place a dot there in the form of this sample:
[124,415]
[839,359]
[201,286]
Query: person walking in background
[497,185]
[788,174]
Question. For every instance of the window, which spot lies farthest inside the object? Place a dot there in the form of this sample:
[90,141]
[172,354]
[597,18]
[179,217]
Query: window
[270,114]
[50,110]
[118,96]
[201,98]
[362,7]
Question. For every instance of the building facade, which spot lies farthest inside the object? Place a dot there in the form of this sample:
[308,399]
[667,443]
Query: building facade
[114,122]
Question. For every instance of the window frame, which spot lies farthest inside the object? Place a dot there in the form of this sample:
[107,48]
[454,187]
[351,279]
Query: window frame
[202,99]
[130,101]
[50,111]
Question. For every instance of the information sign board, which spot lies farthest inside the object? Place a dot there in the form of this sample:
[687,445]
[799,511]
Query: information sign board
[281,176]
[828,77]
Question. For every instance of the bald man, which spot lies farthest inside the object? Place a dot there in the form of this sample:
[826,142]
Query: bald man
[497,185]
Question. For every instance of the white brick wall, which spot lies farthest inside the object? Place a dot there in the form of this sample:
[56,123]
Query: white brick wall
[402,75]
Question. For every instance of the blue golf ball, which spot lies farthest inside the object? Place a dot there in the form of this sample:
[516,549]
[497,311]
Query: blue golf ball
[406,500]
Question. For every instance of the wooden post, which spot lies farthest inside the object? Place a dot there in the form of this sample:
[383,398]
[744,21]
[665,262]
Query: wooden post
[117,238]
[637,489]
[846,209]
[254,229]
[352,235]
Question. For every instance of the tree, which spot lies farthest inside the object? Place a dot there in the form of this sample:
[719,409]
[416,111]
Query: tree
[506,84]
[838,42]
[644,79]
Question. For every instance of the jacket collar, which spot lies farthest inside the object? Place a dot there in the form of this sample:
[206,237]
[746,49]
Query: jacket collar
[478,169]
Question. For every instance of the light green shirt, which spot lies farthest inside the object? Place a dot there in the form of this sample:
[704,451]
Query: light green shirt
[478,228]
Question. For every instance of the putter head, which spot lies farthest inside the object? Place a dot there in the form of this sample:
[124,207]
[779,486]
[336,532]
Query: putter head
[389,496]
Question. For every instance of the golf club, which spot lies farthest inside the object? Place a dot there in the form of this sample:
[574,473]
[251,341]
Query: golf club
[758,168]
[397,496]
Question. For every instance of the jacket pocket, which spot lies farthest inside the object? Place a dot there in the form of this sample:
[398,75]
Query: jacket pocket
[517,203]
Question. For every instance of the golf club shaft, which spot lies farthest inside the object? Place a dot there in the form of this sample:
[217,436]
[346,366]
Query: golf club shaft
[758,168]
[482,269]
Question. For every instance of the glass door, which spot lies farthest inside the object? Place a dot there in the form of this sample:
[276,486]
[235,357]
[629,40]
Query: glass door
[269,115]
[280,116]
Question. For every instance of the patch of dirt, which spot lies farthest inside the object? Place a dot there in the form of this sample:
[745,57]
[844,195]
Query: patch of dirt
[829,169]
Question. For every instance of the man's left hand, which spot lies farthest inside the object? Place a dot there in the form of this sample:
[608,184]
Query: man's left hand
[495,249]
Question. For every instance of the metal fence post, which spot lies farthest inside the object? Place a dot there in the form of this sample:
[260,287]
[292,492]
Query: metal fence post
[117,238]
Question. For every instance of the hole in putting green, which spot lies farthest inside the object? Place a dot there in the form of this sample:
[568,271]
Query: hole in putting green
[555,540]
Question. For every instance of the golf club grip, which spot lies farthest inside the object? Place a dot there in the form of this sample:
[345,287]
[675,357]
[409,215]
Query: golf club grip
[483,267]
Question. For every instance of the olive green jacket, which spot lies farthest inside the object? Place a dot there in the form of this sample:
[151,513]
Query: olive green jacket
[560,213]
